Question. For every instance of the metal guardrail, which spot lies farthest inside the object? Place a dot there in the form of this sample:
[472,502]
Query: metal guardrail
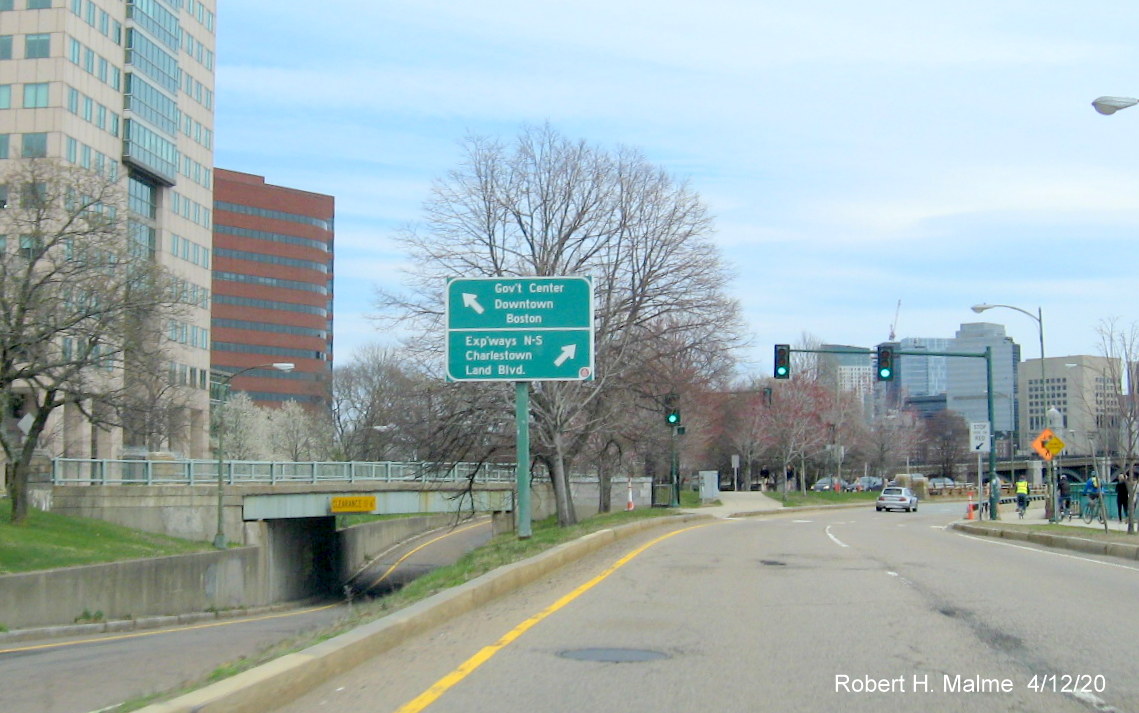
[81,471]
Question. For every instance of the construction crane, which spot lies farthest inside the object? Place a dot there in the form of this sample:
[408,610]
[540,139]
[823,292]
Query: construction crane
[894,324]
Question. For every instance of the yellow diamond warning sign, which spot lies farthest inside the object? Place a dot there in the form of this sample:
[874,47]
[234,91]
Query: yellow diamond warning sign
[1047,445]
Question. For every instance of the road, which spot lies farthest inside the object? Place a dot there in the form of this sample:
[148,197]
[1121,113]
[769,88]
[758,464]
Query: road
[89,673]
[847,610]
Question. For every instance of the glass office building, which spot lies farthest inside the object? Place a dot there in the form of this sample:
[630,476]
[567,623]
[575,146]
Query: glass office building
[126,87]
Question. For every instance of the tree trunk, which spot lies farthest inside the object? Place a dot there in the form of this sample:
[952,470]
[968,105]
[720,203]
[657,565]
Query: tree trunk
[18,491]
[562,496]
[605,489]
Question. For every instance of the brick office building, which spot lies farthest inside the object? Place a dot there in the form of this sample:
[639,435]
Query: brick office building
[272,289]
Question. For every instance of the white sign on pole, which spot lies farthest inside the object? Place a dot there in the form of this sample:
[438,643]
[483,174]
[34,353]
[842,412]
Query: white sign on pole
[979,437]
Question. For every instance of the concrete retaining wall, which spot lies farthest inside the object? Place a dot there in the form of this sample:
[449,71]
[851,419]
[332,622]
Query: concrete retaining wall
[133,589]
[360,543]
[187,512]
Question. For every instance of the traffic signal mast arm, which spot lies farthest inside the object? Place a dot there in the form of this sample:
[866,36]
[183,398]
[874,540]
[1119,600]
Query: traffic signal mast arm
[901,352]
[987,355]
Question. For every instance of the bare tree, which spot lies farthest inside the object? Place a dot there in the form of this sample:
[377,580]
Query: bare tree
[946,436]
[550,206]
[72,285]
[889,439]
[377,409]
[1120,346]
[152,401]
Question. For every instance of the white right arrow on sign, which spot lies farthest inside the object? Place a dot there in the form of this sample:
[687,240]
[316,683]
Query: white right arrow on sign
[568,352]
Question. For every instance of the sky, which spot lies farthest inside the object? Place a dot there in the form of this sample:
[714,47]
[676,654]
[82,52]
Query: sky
[854,156]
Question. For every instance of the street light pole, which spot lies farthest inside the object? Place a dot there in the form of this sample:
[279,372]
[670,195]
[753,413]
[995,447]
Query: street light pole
[1039,317]
[223,397]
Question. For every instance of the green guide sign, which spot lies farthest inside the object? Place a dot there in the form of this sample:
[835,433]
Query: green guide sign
[520,329]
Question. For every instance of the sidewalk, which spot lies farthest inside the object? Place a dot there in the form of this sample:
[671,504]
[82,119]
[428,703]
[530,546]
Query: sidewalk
[1035,516]
[741,504]
[1115,542]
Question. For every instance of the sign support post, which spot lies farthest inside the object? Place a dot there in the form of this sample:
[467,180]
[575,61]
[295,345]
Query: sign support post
[522,426]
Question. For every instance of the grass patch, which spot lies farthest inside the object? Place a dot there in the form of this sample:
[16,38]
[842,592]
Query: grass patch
[797,499]
[47,540]
[350,519]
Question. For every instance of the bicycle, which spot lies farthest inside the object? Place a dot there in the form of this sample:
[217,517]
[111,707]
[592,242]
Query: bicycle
[1066,509]
[1093,511]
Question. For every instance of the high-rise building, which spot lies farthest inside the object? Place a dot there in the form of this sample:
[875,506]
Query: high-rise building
[1086,392]
[847,368]
[125,87]
[272,289]
[967,391]
[922,376]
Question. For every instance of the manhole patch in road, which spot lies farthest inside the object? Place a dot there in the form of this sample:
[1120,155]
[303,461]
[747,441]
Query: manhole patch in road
[613,655]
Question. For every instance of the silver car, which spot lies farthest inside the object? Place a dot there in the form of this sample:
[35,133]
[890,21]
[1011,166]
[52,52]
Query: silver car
[895,498]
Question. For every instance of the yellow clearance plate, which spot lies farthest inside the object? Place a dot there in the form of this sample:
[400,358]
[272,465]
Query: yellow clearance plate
[353,503]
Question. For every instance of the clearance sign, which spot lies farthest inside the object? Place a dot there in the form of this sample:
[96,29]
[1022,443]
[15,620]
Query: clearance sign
[353,503]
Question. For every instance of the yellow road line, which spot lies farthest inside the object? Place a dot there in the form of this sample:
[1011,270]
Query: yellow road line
[399,561]
[156,632]
[444,684]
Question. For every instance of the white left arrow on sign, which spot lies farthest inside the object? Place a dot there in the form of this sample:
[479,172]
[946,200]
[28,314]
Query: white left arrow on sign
[568,352]
[472,301]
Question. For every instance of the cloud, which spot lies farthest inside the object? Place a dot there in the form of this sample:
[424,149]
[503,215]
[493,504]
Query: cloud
[851,153]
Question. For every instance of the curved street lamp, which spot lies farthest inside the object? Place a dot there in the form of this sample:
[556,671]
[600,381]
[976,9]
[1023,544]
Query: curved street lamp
[223,397]
[1039,318]
[1109,105]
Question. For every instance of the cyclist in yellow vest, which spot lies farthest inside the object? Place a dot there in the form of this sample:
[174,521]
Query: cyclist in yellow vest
[1021,495]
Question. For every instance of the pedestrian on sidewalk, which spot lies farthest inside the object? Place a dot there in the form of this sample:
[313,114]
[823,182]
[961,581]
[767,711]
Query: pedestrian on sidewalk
[1065,496]
[1121,495]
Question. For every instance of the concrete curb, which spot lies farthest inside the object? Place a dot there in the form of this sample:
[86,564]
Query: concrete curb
[1046,539]
[115,626]
[800,508]
[258,689]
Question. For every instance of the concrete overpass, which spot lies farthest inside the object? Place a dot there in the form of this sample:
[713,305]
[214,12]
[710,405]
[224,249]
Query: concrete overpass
[180,497]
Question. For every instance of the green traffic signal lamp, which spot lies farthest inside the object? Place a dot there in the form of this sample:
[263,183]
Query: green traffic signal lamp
[886,369]
[672,418]
[782,361]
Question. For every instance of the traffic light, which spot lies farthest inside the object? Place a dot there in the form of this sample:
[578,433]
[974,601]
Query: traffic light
[671,410]
[886,369]
[782,361]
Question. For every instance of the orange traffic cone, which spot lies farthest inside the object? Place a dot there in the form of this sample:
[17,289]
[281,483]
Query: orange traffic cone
[969,508]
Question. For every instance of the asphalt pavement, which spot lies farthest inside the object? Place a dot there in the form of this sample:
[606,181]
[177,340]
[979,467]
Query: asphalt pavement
[290,676]
[741,504]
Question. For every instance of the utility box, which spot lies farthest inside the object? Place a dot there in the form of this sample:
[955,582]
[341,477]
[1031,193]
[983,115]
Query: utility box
[709,485]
